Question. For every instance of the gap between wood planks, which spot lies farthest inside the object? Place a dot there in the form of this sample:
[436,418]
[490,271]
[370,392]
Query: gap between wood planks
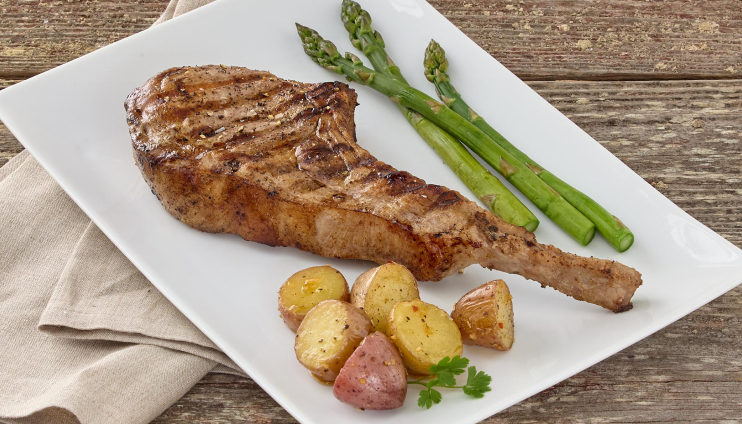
[17,76]
[626,77]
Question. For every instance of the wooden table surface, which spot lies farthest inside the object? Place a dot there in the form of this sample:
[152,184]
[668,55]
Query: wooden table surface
[658,83]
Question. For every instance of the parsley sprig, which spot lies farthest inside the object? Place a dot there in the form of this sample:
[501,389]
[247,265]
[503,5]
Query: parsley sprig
[444,373]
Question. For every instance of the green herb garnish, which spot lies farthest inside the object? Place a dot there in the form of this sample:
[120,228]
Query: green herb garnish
[444,375]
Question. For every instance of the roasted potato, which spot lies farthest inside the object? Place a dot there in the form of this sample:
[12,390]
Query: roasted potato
[485,316]
[306,289]
[374,376]
[424,334]
[377,290]
[328,335]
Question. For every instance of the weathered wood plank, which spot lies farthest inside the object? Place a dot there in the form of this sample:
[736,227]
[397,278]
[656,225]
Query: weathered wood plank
[38,35]
[9,146]
[609,39]
[7,82]
[689,372]
[685,138]
[538,40]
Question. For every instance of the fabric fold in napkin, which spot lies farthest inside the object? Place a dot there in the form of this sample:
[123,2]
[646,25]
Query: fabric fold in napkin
[101,295]
[84,337]
[178,7]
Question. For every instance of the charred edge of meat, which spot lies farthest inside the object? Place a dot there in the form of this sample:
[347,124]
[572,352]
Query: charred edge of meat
[624,308]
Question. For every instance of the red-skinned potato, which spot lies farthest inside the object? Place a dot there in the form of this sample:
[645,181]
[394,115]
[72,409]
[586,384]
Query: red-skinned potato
[374,377]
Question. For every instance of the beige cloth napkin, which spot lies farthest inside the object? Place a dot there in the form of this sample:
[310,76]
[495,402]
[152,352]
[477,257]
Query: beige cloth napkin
[84,337]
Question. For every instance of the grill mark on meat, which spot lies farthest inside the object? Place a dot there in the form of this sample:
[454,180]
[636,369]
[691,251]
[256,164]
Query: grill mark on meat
[317,153]
[325,91]
[309,114]
[402,182]
[217,78]
[256,89]
[306,183]
[447,199]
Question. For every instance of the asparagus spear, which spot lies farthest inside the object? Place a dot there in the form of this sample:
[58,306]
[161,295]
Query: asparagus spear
[324,53]
[614,231]
[481,182]
[357,22]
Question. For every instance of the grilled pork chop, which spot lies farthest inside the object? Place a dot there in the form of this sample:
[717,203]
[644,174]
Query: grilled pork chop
[232,150]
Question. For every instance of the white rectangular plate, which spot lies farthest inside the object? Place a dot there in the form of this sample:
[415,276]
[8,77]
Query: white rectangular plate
[72,120]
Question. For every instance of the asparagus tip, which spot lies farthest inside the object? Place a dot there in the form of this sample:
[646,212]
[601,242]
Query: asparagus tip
[350,4]
[354,18]
[320,50]
[435,61]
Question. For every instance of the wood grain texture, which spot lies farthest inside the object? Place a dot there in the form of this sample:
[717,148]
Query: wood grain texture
[538,40]
[37,35]
[684,137]
[609,39]
[9,146]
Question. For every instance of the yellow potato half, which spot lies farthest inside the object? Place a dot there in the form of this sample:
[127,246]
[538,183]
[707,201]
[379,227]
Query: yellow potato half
[424,334]
[327,337]
[377,290]
[306,289]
